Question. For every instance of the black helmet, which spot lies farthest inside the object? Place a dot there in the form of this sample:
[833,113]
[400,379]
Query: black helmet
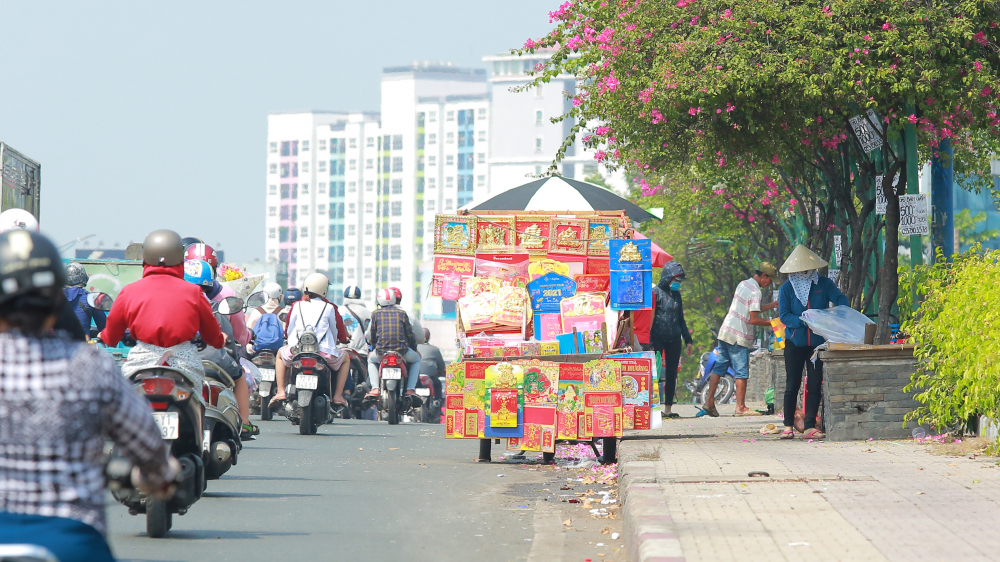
[352,292]
[293,295]
[32,269]
[163,247]
[76,275]
[190,241]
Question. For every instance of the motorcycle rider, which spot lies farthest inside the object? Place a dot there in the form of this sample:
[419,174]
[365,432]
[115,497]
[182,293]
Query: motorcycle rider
[316,312]
[272,306]
[163,312]
[431,362]
[200,273]
[418,330]
[76,298]
[51,474]
[218,291]
[390,330]
[361,316]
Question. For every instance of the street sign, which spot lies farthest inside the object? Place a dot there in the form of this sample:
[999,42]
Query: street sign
[869,136]
[838,249]
[880,195]
[913,215]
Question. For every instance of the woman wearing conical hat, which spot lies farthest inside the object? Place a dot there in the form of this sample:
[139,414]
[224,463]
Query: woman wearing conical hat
[805,289]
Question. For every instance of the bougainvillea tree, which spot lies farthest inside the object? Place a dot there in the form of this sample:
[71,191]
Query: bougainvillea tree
[767,88]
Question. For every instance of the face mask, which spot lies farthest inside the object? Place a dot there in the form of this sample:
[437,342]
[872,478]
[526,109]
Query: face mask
[675,286]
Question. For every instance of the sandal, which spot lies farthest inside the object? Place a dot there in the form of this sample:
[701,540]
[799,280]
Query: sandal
[714,412]
[747,414]
[248,431]
[275,402]
[673,416]
[813,433]
[788,433]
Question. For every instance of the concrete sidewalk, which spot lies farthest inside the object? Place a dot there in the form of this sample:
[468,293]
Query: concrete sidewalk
[687,496]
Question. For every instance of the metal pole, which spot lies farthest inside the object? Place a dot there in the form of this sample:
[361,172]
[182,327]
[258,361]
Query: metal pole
[913,185]
[942,199]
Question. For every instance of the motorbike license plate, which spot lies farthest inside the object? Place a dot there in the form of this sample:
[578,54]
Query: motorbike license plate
[265,389]
[392,373]
[423,391]
[267,374]
[169,424]
[306,382]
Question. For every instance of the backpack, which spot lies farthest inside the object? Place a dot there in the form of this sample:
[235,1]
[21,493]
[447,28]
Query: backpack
[270,334]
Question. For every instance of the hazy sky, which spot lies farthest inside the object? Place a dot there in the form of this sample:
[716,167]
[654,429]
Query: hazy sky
[153,114]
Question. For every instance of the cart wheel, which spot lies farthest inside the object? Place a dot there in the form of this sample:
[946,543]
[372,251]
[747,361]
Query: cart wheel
[485,451]
[610,451]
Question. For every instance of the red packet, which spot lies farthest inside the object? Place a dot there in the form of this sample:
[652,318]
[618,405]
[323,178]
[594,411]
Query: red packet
[592,283]
[549,326]
[454,264]
[570,400]
[598,266]
[584,311]
[454,417]
[602,412]
[451,287]
[628,416]
[539,428]
[503,407]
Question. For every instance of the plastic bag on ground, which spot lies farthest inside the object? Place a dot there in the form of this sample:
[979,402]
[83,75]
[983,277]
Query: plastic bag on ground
[840,324]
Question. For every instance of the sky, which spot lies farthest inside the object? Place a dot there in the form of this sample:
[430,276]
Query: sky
[150,115]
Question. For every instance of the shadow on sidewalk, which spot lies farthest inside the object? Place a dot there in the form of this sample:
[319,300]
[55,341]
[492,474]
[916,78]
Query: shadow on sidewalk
[655,437]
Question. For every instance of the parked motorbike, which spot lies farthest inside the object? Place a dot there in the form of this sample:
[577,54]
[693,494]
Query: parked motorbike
[393,402]
[699,387]
[180,419]
[308,402]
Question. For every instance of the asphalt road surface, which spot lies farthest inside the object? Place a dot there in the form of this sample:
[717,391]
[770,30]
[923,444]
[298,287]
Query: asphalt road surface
[366,491]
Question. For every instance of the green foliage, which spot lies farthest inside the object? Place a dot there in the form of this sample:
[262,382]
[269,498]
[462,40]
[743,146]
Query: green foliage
[967,226]
[957,330]
[597,179]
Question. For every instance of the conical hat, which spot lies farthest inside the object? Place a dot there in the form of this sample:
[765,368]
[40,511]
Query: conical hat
[802,259]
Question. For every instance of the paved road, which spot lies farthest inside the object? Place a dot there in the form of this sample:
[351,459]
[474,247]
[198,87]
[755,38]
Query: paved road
[365,491]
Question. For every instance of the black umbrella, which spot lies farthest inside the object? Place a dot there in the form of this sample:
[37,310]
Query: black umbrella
[557,193]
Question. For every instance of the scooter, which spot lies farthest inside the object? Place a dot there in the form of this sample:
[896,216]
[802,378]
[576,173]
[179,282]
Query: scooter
[357,385]
[265,363]
[180,418]
[308,402]
[428,391]
[222,421]
[393,402]
[699,386]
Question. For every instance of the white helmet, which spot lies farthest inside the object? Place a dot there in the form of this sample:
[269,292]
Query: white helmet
[385,297]
[273,290]
[316,283]
[12,219]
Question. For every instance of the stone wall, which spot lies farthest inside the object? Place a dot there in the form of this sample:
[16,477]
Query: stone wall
[863,392]
[760,380]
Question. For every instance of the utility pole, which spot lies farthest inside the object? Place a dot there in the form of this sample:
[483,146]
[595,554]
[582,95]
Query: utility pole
[942,199]
[913,185]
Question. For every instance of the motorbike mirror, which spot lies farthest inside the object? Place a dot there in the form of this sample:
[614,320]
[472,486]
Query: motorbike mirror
[99,301]
[256,299]
[230,305]
[283,317]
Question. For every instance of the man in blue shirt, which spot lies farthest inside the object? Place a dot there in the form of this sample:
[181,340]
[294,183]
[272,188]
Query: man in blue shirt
[806,289]
[76,298]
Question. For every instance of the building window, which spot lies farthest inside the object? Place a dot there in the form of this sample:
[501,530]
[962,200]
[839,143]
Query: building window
[396,252]
[321,165]
[450,116]
[272,233]
[431,204]
[449,182]
[397,230]
[369,208]
[449,160]
[350,251]
[286,170]
[322,144]
[305,189]
[370,142]
[481,181]
[432,161]
[305,209]
[351,208]
[322,187]
[397,142]
[271,253]
[397,208]
[431,183]
[538,144]
[432,117]
[321,209]
[352,165]
[272,211]
[397,187]
[538,117]
[395,274]
[368,251]
[354,143]
[449,204]
[286,148]
[432,138]
[352,230]
[352,187]
[538,90]
[304,232]
[369,229]
[272,190]
[397,164]
[481,158]
[369,271]
[450,138]
[369,164]
[272,169]
[305,145]
[482,136]
[369,185]
[273,148]
[482,113]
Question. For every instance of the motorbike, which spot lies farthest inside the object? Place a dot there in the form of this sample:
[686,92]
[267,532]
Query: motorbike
[429,392]
[699,387]
[308,403]
[393,401]
[180,418]
[222,421]
[265,363]
[357,385]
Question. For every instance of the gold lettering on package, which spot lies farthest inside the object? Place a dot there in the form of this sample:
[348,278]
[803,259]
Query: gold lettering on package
[491,236]
[629,253]
[532,237]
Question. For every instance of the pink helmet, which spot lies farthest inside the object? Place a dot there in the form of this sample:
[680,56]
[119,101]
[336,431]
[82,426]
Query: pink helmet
[202,252]
[384,297]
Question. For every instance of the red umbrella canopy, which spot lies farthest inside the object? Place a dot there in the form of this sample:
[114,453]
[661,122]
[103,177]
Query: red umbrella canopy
[660,258]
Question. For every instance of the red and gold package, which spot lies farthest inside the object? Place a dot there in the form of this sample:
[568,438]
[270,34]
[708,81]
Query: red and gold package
[601,230]
[495,234]
[568,236]
[476,286]
[595,283]
[454,417]
[583,311]
[511,307]
[533,234]
[454,264]
[602,412]
[474,397]
[637,384]
[510,269]
[477,311]
[539,428]
[570,400]
[598,266]
[503,407]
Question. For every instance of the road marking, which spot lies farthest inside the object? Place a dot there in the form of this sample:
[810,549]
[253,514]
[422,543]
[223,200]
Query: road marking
[549,543]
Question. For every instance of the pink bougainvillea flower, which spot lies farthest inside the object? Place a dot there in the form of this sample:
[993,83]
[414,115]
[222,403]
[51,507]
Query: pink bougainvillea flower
[978,66]
[530,44]
[913,118]
[682,4]
[980,38]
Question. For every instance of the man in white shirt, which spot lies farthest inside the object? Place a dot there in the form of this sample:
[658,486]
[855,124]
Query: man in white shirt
[357,317]
[313,311]
[736,337]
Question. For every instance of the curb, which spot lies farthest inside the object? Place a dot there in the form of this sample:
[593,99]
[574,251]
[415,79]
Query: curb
[649,531]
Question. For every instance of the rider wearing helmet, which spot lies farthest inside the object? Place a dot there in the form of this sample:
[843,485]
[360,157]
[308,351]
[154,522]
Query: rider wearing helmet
[76,298]
[53,480]
[163,312]
[431,361]
[272,306]
[316,312]
[18,219]
[203,252]
[390,330]
[292,296]
[357,319]
[418,330]
[200,273]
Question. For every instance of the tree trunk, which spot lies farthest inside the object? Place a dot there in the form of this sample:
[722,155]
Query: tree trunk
[889,282]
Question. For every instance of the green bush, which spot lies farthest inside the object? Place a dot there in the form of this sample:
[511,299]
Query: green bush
[957,333]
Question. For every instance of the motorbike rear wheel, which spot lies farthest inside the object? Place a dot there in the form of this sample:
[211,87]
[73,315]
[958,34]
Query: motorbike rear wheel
[306,424]
[392,407]
[158,519]
[723,392]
